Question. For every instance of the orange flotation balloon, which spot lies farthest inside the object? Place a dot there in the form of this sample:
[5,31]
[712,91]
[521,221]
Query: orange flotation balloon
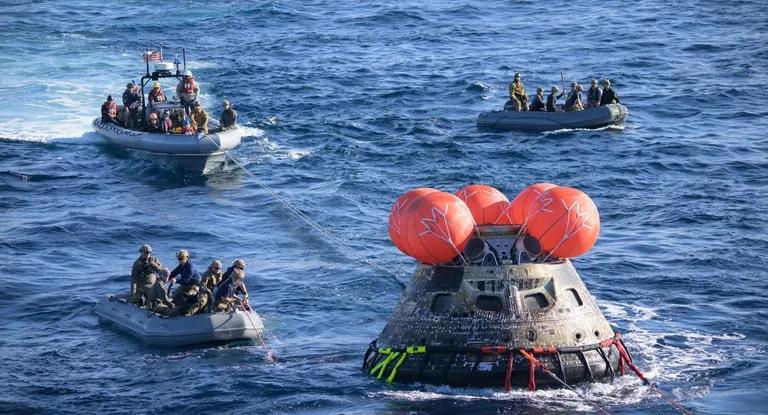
[488,205]
[568,225]
[526,202]
[395,216]
[435,227]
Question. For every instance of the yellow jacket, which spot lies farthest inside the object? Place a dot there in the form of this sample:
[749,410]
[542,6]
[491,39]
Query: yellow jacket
[200,120]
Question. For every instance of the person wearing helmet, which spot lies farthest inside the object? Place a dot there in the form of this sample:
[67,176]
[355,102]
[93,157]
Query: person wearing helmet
[538,101]
[157,297]
[109,111]
[187,91]
[517,95]
[143,274]
[189,279]
[228,116]
[154,124]
[236,264]
[594,94]
[574,103]
[609,95]
[210,279]
[552,100]
[226,298]
[156,94]
[569,96]
[200,118]
[132,103]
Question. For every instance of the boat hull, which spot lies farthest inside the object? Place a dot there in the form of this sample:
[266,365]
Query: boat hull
[160,330]
[605,116]
[197,152]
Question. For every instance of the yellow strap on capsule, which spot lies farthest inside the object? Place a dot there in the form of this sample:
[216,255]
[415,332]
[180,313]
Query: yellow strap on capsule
[383,363]
[408,351]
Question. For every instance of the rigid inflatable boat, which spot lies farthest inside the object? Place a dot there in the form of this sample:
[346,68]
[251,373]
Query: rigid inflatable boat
[605,116]
[160,330]
[197,152]
[192,152]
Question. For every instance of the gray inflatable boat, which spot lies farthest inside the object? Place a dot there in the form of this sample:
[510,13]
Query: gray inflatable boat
[605,116]
[193,152]
[160,330]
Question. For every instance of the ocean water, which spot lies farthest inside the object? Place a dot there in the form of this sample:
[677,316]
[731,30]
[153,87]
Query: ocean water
[359,102]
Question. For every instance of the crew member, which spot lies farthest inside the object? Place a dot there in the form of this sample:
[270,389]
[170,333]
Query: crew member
[228,116]
[538,101]
[157,94]
[200,118]
[154,125]
[574,100]
[143,274]
[186,127]
[131,101]
[158,300]
[109,111]
[594,94]
[189,279]
[211,278]
[609,95]
[517,94]
[552,100]
[166,125]
[226,294]
[236,264]
[187,91]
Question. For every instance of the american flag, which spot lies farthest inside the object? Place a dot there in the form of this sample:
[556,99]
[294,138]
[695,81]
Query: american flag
[153,55]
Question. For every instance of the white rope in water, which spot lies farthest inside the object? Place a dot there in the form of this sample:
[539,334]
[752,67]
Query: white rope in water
[311,222]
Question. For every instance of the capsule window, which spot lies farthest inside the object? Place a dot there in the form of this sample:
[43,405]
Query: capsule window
[574,297]
[489,303]
[536,301]
[441,303]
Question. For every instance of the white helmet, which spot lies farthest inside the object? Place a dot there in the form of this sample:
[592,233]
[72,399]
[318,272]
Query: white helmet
[187,73]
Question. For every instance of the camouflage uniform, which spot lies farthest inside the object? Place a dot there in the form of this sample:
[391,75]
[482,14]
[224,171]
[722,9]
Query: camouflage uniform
[208,282]
[518,96]
[143,277]
[157,297]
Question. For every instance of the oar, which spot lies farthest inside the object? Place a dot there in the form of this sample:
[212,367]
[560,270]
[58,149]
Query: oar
[562,80]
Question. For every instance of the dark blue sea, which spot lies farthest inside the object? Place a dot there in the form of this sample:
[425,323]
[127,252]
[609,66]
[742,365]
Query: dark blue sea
[345,106]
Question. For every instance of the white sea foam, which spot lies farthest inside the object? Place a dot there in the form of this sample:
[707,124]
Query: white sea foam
[570,130]
[251,131]
[271,150]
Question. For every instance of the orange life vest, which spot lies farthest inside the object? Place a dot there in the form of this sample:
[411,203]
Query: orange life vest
[110,108]
[189,85]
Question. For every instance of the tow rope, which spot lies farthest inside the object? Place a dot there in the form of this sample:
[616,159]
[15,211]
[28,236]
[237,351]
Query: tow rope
[311,222]
[624,357]
[271,358]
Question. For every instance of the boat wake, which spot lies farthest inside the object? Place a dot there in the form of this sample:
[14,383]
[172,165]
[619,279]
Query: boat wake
[75,133]
[571,130]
